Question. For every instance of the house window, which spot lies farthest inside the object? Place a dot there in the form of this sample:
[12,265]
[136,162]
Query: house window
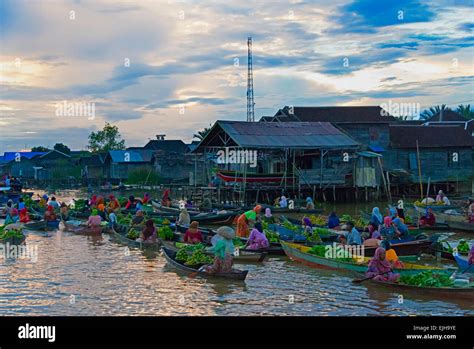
[453,159]
[413,161]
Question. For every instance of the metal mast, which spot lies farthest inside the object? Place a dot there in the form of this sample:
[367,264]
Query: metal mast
[250,100]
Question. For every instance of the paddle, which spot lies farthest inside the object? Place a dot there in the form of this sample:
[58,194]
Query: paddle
[358,281]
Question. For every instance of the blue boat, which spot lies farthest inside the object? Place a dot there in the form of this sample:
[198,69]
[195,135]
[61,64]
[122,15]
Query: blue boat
[52,224]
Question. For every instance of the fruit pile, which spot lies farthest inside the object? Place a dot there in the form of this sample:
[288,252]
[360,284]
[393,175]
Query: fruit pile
[193,255]
[133,234]
[427,279]
[463,247]
[361,222]
[10,233]
[346,218]
[317,220]
[322,231]
[272,236]
[165,233]
[125,220]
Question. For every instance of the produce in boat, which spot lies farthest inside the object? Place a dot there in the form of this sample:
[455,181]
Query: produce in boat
[427,279]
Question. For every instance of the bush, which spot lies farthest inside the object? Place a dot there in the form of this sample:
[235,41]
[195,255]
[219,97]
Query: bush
[141,174]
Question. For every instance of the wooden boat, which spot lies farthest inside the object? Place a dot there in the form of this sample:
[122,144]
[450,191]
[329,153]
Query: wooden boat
[122,238]
[39,225]
[243,256]
[465,292]
[413,228]
[52,224]
[170,258]
[406,247]
[463,264]
[207,234]
[464,226]
[299,253]
[442,216]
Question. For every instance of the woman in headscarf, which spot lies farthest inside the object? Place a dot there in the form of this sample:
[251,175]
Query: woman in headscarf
[380,269]
[93,201]
[391,255]
[374,237]
[12,213]
[165,200]
[64,212]
[193,235]
[146,198]
[244,220]
[114,204]
[470,258]
[401,230]
[50,215]
[388,230]
[24,216]
[138,219]
[309,203]
[428,219]
[257,238]
[184,217]
[94,219]
[268,217]
[376,219]
[392,212]
[43,201]
[333,221]
[223,249]
[131,204]
[283,202]
[148,233]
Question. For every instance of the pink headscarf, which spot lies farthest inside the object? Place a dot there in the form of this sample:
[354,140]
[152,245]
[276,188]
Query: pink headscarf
[387,221]
[378,265]
[268,212]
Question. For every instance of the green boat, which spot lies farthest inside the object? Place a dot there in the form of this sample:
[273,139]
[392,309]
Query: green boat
[300,253]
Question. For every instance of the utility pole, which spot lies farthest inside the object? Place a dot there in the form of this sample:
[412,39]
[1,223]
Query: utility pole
[250,99]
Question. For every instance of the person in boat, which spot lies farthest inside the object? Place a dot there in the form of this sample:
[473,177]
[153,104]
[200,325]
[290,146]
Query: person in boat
[353,237]
[391,255]
[333,221]
[392,212]
[401,230]
[373,233]
[245,219]
[24,216]
[189,203]
[146,198]
[111,218]
[376,218]
[442,198]
[387,228]
[268,217]
[470,211]
[138,219]
[7,181]
[131,203]
[43,201]
[308,230]
[380,268]
[373,240]
[429,218]
[21,204]
[53,202]
[193,235]
[283,202]
[93,202]
[50,215]
[114,204]
[139,205]
[309,203]
[94,219]
[148,233]
[64,212]
[12,213]
[165,199]
[470,258]
[223,249]
[184,217]
[257,239]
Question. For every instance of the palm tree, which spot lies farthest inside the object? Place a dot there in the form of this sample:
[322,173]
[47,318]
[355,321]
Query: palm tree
[428,113]
[465,111]
[202,134]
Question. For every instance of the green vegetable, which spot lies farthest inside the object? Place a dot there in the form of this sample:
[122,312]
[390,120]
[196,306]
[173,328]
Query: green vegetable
[427,279]
[11,233]
[133,234]
[165,233]
[271,235]
[346,218]
[463,247]
[237,242]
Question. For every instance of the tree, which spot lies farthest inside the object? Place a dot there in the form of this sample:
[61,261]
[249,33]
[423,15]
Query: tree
[203,133]
[428,113]
[465,111]
[62,148]
[40,149]
[108,138]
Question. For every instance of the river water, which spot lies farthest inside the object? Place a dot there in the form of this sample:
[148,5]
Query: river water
[80,275]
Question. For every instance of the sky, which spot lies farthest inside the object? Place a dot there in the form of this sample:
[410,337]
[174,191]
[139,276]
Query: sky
[175,66]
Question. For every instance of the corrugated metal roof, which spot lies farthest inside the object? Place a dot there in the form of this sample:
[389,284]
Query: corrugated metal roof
[10,155]
[309,135]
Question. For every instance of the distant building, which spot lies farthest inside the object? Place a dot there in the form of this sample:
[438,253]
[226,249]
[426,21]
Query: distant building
[118,164]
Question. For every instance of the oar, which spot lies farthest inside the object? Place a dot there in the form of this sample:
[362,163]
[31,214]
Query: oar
[358,281]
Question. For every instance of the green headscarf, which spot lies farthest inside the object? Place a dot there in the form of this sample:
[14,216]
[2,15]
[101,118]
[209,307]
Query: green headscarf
[94,212]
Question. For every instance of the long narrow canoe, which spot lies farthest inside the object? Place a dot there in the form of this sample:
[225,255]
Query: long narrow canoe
[243,255]
[464,226]
[170,258]
[464,292]
[413,228]
[299,253]
[39,225]
[122,238]
[463,264]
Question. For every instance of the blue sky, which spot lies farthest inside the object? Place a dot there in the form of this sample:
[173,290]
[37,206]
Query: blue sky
[187,61]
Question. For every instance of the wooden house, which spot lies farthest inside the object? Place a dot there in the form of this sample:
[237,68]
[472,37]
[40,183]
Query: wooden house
[118,164]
